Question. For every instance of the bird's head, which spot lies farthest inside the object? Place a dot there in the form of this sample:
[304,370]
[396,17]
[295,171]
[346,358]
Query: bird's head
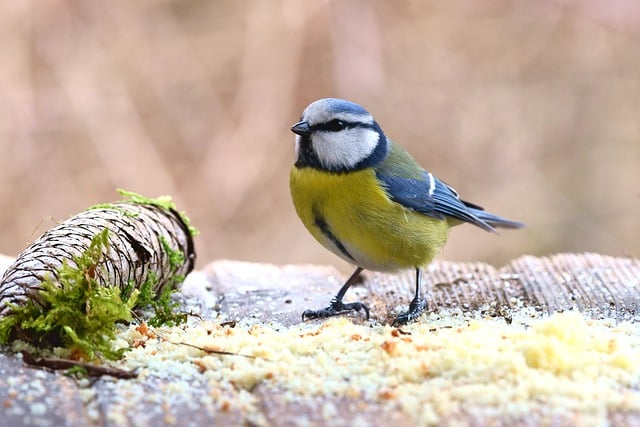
[338,136]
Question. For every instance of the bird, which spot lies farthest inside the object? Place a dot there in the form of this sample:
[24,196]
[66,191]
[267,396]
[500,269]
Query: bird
[366,199]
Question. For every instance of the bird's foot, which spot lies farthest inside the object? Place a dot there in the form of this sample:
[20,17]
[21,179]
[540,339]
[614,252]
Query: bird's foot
[335,308]
[416,307]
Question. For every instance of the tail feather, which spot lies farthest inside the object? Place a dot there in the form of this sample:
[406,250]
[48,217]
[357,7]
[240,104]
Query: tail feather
[494,220]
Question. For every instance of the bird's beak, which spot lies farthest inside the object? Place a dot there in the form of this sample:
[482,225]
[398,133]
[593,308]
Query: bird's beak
[301,128]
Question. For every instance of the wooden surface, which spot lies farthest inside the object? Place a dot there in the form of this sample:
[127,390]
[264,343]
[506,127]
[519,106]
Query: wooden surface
[598,286]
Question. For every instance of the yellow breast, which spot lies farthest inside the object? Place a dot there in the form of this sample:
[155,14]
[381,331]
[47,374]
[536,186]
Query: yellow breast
[351,215]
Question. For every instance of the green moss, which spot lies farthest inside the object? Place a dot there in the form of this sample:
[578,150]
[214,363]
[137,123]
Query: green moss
[113,206]
[164,202]
[7,326]
[166,310]
[176,256]
[79,313]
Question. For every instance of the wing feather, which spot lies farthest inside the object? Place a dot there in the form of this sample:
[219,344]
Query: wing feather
[437,201]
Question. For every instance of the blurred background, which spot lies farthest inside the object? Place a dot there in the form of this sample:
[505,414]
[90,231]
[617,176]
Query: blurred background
[528,108]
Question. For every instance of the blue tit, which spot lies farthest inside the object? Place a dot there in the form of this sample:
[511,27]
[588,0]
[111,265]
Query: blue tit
[366,199]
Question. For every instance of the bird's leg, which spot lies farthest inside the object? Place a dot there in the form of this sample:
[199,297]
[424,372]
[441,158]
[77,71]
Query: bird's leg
[417,305]
[336,306]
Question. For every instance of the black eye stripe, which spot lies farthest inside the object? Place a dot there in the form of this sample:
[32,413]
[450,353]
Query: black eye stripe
[331,126]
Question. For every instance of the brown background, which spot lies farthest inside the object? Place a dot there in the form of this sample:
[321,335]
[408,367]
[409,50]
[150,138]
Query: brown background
[529,108]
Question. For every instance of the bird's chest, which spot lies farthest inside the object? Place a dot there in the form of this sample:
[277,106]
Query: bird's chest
[351,215]
[353,200]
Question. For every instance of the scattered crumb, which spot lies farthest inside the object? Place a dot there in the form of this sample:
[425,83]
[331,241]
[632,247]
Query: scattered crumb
[560,364]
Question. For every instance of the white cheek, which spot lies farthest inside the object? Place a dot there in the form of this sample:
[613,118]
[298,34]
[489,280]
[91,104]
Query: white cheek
[346,148]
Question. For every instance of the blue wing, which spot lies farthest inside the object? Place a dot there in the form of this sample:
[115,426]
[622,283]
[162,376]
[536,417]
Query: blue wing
[436,199]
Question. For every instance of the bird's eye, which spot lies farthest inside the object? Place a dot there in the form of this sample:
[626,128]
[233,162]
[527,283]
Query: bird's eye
[336,125]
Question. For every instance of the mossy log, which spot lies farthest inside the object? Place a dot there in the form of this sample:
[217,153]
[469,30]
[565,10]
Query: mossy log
[145,240]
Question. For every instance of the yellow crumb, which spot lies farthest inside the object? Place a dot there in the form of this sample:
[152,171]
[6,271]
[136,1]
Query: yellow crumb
[429,371]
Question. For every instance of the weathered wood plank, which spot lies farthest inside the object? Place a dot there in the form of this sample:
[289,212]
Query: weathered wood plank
[598,286]
[38,397]
[163,398]
[270,293]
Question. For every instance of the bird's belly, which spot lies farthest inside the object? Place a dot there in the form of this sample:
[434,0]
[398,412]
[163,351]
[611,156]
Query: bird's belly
[351,215]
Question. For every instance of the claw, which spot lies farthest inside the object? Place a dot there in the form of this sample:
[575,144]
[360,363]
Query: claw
[416,307]
[334,309]
[336,306]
